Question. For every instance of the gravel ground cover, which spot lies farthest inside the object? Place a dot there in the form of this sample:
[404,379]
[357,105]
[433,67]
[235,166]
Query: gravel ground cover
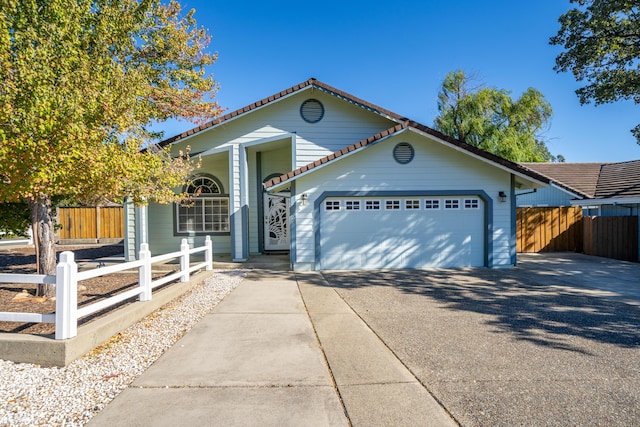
[31,395]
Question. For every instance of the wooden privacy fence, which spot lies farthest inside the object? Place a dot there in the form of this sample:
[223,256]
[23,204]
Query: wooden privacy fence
[611,237]
[93,223]
[556,229]
[549,229]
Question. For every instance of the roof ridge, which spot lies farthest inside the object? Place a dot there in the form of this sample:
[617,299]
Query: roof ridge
[264,101]
[563,163]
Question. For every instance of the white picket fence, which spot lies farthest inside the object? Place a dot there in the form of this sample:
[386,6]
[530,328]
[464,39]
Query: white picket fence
[67,277]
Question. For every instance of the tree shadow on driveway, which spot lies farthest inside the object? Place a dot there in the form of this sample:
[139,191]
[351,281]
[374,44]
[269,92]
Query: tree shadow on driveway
[536,308]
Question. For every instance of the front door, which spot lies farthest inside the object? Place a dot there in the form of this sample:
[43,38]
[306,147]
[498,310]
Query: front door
[276,223]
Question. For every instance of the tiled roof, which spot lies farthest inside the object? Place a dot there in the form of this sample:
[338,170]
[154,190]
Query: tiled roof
[580,178]
[400,127]
[619,180]
[594,180]
[311,82]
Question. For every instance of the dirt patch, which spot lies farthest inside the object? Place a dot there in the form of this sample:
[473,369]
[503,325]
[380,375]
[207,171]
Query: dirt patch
[21,297]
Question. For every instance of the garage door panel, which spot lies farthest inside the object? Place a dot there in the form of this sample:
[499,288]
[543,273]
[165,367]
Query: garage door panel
[401,239]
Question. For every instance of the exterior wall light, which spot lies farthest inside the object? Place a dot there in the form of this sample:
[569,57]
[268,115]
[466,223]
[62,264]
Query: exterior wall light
[305,197]
[502,196]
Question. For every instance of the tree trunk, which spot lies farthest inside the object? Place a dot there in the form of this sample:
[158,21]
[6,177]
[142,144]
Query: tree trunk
[43,240]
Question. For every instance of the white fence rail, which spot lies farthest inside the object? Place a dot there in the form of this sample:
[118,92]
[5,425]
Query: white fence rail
[67,277]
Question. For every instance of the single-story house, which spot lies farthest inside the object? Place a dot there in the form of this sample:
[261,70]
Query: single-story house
[339,183]
[601,189]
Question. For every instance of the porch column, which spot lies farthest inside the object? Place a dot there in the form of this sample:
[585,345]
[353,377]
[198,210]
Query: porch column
[238,195]
[142,227]
[135,229]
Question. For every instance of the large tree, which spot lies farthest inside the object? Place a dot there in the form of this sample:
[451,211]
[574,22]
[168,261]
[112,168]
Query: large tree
[602,42]
[490,119]
[80,83]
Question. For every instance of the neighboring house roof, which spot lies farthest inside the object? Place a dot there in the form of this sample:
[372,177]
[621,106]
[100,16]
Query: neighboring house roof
[578,178]
[408,124]
[311,83]
[594,180]
[619,180]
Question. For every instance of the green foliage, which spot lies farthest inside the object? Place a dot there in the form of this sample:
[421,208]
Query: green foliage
[81,81]
[490,119]
[15,219]
[601,39]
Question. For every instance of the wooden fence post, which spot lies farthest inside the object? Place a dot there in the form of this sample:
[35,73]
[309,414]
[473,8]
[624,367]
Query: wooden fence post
[66,297]
[208,253]
[144,272]
[184,260]
[98,224]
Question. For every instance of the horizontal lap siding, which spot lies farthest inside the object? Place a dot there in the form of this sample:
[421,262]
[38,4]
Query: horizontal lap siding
[162,240]
[342,125]
[550,196]
[435,167]
[161,227]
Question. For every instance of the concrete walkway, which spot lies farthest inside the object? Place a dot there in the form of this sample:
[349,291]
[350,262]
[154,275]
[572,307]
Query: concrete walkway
[376,388]
[256,360]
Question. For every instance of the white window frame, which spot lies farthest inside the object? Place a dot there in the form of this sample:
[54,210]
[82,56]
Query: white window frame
[432,204]
[352,205]
[471,204]
[451,204]
[392,205]
[412,204]
[206,212]
[203,215]
[332,205]
[372,205]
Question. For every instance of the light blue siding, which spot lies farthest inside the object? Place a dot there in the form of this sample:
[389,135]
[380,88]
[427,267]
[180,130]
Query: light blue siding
[284,142]
[550,196]
[435,167]
[161,218]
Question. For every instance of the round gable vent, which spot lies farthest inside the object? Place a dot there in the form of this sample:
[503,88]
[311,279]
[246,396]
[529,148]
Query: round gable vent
[403,153]
[312,111]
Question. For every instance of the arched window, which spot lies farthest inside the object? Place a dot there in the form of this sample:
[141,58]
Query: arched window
[208,210]
[204,184]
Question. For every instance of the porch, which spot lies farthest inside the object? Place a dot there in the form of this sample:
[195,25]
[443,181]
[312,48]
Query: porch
[278,262]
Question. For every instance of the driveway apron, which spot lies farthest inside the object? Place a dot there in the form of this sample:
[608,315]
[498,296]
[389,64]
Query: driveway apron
[254,360]
[555,341]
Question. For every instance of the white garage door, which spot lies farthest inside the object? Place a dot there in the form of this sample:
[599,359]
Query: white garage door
[402,232]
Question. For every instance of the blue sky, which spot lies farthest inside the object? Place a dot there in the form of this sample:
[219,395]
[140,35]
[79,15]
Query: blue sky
[396,56]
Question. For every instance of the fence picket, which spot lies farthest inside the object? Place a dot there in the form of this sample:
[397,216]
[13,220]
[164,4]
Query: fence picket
[91,223]
[611,237]
[547,229]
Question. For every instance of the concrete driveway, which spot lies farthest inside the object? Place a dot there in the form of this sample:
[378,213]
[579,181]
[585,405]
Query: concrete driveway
[555,341]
